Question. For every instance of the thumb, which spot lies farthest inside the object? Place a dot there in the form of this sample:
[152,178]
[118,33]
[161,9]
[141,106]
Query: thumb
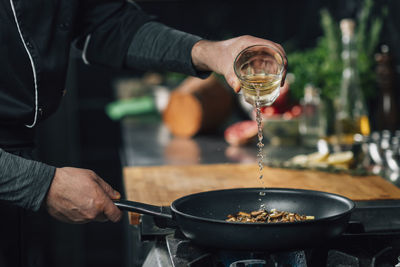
[233,81]
[112,212]
[113,194]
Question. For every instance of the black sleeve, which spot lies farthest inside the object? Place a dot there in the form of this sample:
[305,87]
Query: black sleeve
[105,30]
[118,34]
[158,47]
[24,182]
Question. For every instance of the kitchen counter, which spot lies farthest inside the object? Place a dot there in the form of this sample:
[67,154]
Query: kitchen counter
[155,163]
[148,145]
[147,142]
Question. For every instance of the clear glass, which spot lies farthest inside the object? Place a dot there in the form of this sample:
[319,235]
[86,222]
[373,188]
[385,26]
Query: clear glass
[259,69]
[312,124]
[351,114]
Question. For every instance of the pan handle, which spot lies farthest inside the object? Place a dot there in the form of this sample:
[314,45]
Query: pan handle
[143,208]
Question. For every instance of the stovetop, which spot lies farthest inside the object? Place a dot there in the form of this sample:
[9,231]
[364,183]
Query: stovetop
[372,239]
[358,250]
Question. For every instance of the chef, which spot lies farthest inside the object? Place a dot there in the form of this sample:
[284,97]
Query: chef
[35,41]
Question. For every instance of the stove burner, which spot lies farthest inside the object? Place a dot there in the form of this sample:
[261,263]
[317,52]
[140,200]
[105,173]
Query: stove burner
[338,258]
[177,252]
[294,258]
[372,243]
[385,257]
[184,253]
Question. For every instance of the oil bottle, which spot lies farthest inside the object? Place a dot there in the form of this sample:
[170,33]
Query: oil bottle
[351,111]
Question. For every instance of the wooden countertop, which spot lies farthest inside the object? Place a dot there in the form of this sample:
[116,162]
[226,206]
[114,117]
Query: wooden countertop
[160,185]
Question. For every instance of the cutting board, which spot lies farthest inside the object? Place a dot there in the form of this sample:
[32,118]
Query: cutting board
[160,185]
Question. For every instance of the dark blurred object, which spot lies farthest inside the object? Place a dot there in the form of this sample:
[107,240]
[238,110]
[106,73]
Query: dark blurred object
[386,114]
[198,106]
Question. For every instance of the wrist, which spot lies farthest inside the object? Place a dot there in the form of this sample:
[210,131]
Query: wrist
[201,52]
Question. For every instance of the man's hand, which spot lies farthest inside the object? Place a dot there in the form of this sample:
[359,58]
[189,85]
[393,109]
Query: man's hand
[79,196]
[219,56]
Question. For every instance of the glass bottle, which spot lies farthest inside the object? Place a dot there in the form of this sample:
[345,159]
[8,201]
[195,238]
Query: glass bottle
[351,111]
[312,125]
[386,113]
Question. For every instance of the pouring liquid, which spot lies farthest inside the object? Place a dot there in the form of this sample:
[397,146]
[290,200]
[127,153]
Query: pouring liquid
[266,91]
[261,90]
[260,145]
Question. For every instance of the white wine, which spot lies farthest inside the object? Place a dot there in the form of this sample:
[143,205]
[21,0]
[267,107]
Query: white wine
[263,88]
[260,90]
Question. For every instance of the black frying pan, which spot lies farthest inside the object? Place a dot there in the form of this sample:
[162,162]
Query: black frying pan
[201,217]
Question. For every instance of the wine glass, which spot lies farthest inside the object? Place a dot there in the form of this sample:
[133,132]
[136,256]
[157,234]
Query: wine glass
[259,69]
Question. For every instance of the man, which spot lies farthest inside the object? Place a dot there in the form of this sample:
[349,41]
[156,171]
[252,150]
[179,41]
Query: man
[35,40]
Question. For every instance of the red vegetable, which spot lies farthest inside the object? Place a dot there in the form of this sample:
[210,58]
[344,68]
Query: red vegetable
[241,133]
[296,111]
[269,111]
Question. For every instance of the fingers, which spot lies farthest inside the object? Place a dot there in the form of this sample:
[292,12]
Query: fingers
[285,64]
[80,196]
[111,212]
[283,78]
[113,194]
[233,81]
[281,50]
[236,85]
[246,41]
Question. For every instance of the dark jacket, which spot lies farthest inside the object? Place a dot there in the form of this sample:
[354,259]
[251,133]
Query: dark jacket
[35,39]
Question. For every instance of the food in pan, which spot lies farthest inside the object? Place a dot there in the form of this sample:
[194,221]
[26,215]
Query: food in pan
[264,216]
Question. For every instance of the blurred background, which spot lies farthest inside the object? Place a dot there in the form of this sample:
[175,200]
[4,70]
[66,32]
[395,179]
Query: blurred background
[86,131]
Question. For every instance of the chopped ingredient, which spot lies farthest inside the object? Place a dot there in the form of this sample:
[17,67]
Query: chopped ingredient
[264,216]
[339,160]
[317,157]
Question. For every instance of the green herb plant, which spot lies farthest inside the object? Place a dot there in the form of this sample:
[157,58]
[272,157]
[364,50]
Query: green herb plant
[322,65]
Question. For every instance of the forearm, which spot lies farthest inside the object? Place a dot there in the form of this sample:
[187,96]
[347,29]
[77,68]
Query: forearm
[120,35]
[24,182]
[159,47]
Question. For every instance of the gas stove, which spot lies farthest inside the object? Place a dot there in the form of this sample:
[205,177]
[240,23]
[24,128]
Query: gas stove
[372,239]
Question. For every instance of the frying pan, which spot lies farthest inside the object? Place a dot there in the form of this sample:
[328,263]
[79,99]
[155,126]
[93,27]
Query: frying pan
[201,217]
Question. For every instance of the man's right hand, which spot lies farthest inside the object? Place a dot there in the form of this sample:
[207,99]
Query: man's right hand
[80,195]
[219,56]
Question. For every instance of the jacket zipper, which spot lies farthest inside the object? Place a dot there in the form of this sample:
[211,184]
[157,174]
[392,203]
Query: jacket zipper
[32,65]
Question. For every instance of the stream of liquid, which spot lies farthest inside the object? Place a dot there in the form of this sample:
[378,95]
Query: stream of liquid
[261,90]
[260,146]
